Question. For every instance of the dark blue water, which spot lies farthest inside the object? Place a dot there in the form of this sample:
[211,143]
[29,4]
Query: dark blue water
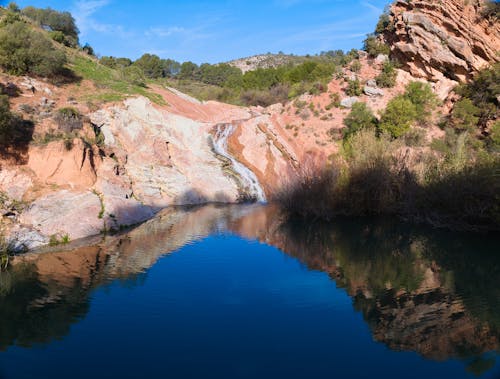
[226,306]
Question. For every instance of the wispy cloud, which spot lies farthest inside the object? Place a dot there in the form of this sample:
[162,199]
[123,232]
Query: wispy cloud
[372,7]
[84,11]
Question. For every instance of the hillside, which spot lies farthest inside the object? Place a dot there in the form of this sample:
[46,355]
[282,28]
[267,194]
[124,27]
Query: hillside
[111,135]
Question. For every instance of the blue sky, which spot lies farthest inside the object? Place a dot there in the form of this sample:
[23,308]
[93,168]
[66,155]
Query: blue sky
[219,30]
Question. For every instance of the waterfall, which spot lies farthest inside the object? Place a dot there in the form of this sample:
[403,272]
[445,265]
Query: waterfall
[249,180]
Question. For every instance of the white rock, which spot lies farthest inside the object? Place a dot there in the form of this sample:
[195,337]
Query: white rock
[348,102]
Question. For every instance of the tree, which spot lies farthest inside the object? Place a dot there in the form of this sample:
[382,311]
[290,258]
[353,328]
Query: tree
[189,70]
[398,116]
[27,51]
[361,117]
[56,21]
[151,65]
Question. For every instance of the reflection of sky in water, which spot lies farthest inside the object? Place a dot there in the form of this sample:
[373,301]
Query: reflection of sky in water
[219,307]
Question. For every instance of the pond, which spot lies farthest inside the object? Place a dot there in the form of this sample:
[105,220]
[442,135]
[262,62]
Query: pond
[238,292]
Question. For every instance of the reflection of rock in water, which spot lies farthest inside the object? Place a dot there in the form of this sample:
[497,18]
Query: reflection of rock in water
[417,291]
[396,281]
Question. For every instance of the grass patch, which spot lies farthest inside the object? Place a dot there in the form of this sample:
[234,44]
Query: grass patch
[116,84]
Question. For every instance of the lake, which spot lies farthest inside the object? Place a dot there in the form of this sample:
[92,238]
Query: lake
[238,292]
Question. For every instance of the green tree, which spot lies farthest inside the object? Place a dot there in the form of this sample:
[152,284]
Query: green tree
[189,70]
[26,51]
[361,117]
[56,21]
[398,116]
[151,65]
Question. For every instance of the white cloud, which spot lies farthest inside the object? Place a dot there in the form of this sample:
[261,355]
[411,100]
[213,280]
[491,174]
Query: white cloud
[84,10]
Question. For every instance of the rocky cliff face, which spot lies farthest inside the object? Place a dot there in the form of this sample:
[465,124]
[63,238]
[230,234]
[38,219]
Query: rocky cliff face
[448,38]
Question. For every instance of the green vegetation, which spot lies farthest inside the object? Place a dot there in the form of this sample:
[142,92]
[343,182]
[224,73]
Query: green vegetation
[55,21]
[373,46]
[374,180]
[118,83]
[24,50]
[398,116]
[353,88]
[387,78]
[424,100]
[68,119]
[56,240]
[361,117]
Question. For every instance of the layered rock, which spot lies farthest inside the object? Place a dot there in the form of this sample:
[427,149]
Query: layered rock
[449,38]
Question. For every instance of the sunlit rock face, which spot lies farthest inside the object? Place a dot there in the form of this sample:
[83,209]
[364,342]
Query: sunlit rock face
[443,38]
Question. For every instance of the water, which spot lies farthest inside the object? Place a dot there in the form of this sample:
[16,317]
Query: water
[235,292]
[249,180]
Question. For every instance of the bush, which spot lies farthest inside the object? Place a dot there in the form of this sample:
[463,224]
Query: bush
[68,119]
[373,46]
[398,116]
[422,97]
[376,180]
[494,135]
[15,133]
[361,117]
[415,137]
[353,88]
[356,66]
[26,51]
[387,78]
[465,115]
[483,91]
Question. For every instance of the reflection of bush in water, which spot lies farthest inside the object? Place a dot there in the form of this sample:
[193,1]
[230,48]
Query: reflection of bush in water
[382,254]
[372,253]
[30,315]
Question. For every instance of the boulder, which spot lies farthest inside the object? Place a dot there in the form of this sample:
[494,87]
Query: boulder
[373,91]
[348,102]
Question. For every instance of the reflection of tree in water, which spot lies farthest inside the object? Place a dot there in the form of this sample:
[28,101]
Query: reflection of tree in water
[31,313]
[418,289]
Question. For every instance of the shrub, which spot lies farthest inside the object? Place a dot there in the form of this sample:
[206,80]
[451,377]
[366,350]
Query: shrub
[68,119]
[373,46]
[353,88]
[10,18]
[361,117]
[415,137]
[26,51]
[494,136]
[387,78]
[483,91]
[356,66]
[465,115]
[422,97]
[398,116]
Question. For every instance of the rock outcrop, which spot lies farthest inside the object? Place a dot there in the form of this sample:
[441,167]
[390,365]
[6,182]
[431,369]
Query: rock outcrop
[448,38]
